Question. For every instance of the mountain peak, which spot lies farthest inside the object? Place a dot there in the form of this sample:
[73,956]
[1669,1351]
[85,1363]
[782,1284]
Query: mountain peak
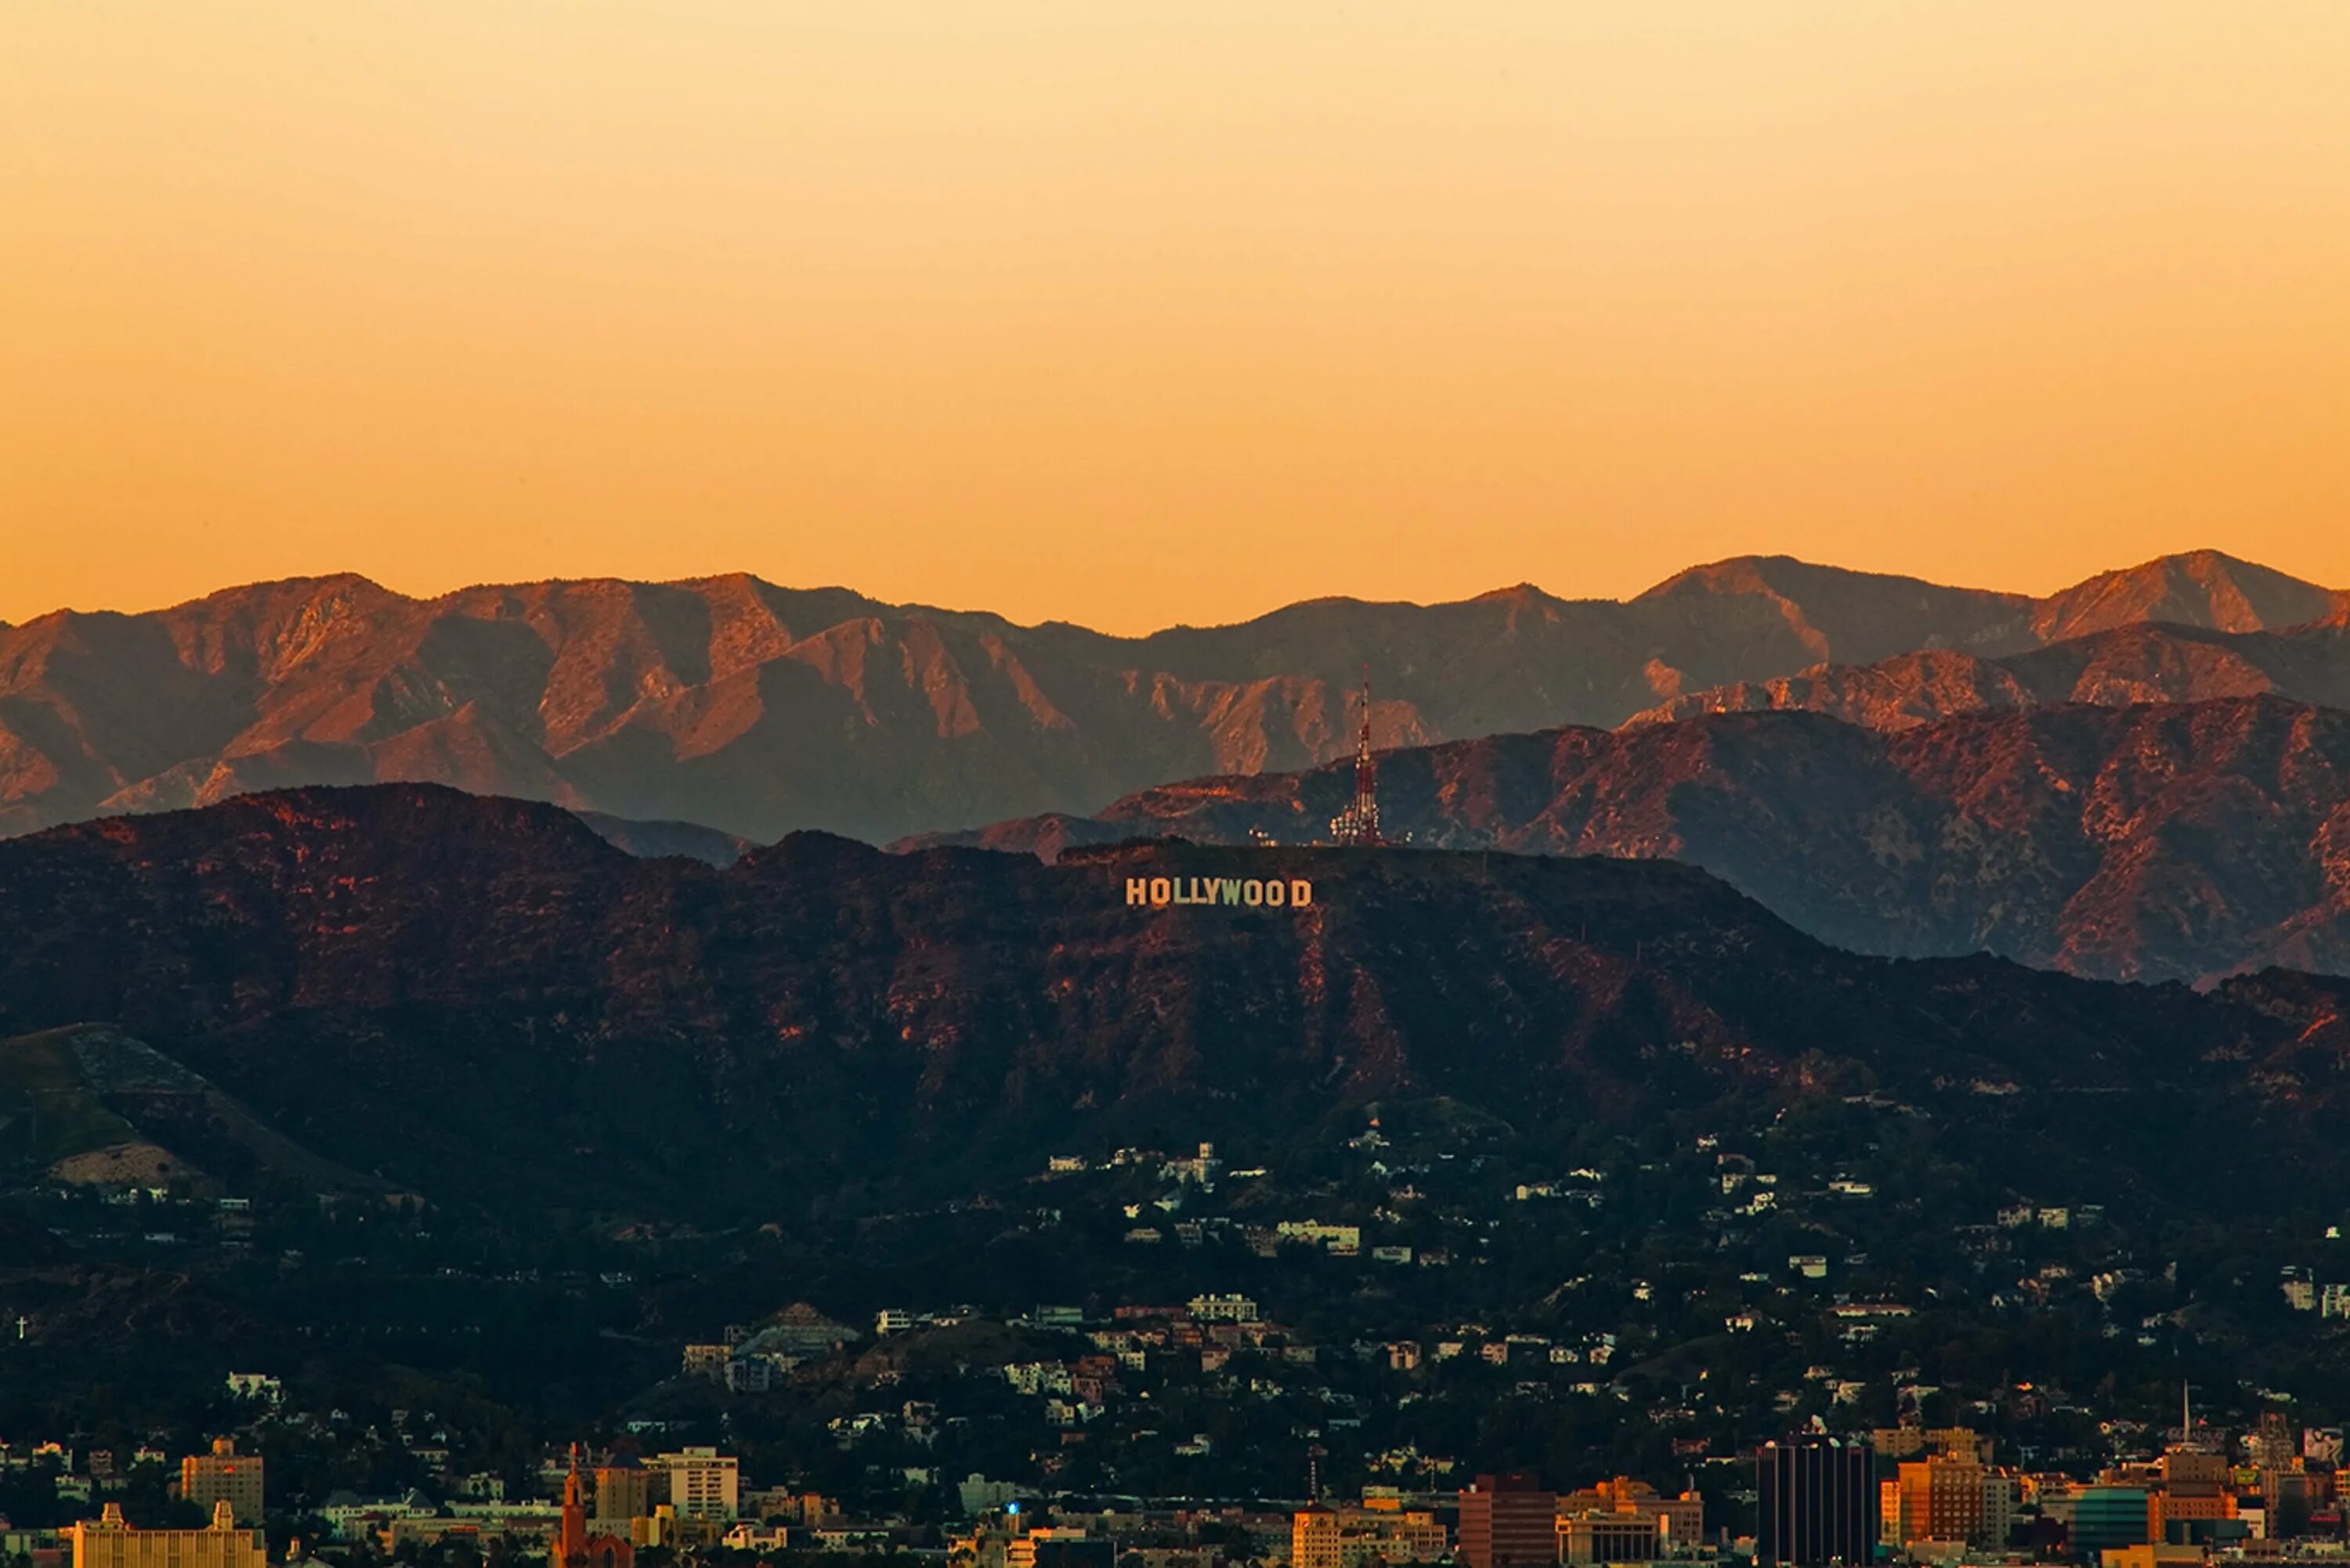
[2196,588]
[1790,574]
[274,589]
[1516,594]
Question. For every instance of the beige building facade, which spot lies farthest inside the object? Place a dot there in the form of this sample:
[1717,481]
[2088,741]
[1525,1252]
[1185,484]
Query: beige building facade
[109,1542]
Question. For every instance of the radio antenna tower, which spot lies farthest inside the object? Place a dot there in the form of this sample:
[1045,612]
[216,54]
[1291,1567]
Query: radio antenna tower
[1359,823]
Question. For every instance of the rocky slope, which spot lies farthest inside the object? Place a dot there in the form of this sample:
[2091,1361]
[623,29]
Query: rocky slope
[756,709]
[484,1002]
[2156,842]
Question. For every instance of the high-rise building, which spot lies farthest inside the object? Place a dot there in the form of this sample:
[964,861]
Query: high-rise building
[624,1491]
[223,1476]
[702,1483]
[1898,1442]
[109,1542]
[1818,1500]
[1508,1520]
[2194,1487]
[2273,1444]
[1998,1510]
[2290,1497]
[1960,1443]
[1941,1498]
[1314,1537]
[2109,1518]
[2195,1470]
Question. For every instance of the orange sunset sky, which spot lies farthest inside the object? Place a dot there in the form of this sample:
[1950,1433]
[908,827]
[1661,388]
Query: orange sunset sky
[1131,312]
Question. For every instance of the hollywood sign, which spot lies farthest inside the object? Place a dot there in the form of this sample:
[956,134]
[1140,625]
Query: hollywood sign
[1251,893]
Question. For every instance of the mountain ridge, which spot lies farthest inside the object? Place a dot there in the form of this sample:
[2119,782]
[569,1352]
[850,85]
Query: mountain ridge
[2119,667]
[755,709]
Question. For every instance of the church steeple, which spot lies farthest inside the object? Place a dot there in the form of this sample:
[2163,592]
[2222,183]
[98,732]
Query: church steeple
[571,1549]
[573,1546]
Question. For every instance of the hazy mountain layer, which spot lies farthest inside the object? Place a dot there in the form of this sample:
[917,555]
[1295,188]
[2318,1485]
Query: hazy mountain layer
[757,710]
[2111,668]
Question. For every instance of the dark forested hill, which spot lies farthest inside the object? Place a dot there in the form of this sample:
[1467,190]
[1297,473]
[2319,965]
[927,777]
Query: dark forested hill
[481,1000]
[2166,841]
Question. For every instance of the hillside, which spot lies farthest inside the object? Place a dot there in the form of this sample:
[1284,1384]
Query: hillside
[756,709]
[2147,843]
[89,1106]
[531,1016]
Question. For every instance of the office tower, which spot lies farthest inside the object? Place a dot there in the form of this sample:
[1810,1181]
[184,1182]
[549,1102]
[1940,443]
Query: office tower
[1313,1539]
[702,1483]
[2109,1518]
[1507,1519]
[623,1492]
[1942,1499]
[223,1476]
[1817,1502]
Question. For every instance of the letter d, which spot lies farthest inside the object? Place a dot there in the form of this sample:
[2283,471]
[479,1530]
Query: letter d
[1301,893]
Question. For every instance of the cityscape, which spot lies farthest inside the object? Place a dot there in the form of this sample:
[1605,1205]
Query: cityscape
[1697,1391]
[1108,783]
[1907,1492]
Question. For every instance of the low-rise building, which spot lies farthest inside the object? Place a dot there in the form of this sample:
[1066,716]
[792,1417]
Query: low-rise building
[1341,1240]
[707,1361]
[1609,1538]
[111,1542]
[1223,1309]
[1061,1548]
[1676,1520]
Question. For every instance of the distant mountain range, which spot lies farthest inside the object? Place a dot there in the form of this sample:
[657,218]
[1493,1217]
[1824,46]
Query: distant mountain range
[2112,669]
[2159,841]
[482,1002]
[755,709]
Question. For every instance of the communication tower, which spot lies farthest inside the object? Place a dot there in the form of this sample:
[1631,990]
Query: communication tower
[1359,823]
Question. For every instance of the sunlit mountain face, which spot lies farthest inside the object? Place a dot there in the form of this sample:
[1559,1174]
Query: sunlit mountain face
[756,709]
